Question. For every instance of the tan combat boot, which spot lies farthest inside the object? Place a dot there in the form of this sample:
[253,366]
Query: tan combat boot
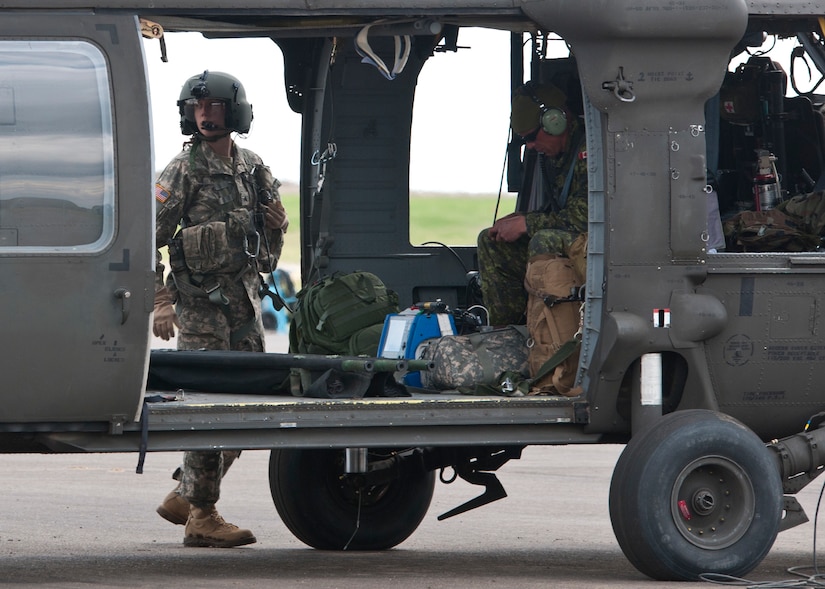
[206,528]
[174,508]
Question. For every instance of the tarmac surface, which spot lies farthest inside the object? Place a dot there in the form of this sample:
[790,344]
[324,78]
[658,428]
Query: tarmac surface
[76,521]
[79,521]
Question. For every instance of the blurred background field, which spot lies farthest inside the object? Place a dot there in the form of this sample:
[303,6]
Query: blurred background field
[452,219]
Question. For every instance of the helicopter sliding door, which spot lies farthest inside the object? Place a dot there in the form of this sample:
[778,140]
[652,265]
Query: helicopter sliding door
[76,254]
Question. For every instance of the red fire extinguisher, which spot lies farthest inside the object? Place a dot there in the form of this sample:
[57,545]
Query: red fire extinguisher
[767,192]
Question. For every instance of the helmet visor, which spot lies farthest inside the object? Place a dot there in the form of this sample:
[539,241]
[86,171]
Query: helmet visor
[190,105]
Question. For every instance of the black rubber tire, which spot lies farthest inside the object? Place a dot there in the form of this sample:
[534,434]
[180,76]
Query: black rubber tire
[323,512]
[697,492]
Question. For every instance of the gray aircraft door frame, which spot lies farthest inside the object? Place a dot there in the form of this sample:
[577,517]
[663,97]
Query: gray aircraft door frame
[76,220]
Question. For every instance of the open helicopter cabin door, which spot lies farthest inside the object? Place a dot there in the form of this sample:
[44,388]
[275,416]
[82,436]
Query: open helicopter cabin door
[76,244]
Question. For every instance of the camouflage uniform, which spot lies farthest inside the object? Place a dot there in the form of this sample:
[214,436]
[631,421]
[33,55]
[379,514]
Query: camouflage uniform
[502,264]
[197,187]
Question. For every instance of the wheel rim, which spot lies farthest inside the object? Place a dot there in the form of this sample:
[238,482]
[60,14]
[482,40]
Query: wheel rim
[713,502]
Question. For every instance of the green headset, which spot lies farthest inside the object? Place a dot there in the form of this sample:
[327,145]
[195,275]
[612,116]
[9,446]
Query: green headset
[553,119]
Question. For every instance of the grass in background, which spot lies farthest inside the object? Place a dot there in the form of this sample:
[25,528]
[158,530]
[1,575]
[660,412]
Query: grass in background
[291,254]
[453,219]
[449,219]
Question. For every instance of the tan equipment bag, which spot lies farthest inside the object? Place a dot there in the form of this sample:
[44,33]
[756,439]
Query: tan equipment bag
[553,318]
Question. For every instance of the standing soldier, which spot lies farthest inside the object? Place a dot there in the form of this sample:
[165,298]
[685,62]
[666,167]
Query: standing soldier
[219,211]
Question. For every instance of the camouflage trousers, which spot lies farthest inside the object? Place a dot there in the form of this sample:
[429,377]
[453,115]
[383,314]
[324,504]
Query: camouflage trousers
[201,475]
[205,325]
[502,266]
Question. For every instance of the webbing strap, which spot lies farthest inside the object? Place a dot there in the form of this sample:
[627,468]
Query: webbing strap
[564,352]
[144,438]
[240,333]
[403,46]
[144,426]
[569,180]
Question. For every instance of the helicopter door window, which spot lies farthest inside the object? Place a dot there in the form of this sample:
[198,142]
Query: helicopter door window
[56,148]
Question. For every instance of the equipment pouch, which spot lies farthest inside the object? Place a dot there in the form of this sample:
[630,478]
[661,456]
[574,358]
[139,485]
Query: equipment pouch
[206,248]
[239,224]
[219,246]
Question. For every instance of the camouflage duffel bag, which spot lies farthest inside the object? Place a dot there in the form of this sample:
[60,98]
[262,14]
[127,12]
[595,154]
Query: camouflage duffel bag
[465,361]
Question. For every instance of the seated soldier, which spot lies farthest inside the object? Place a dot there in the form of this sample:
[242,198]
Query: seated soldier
[557,187]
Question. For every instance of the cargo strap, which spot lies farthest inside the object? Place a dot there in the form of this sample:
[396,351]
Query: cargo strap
[244,330]
[569,179]
[144,426]
[512,383]
[403,47]
[199,286]
[567,348]
[562,354]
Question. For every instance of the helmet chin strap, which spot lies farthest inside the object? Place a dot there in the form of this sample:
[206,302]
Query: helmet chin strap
[213,127]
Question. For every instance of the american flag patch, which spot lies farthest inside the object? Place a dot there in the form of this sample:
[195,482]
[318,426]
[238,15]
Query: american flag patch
[161,194]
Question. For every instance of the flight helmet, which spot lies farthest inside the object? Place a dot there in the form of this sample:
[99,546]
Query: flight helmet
[215,85]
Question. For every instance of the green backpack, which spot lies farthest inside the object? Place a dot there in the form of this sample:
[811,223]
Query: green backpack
[341,314]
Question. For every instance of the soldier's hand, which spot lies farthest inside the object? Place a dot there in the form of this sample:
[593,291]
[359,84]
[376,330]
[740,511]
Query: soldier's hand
[509,228]
[166,319]
[276,217]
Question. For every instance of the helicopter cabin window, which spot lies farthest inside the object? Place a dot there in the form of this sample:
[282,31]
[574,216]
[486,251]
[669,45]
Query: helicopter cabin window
[766,154]
[460,128]
[56,148]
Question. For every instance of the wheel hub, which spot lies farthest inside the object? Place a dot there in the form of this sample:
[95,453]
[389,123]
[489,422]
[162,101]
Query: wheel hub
[712,502]
[703,502]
